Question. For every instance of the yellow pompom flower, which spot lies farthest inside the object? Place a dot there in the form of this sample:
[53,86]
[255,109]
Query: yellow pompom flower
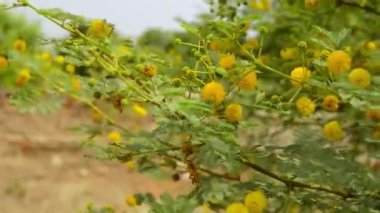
[305,106]
[3,63]
[23,77]
[59,59]
[233,112]
[371,45]
[331,103]
[99,29]
[311,4]
[214,92]
[263,5]
[131,200]
[338,62]
[299,75]
[332,131]
[289,53]
[96,116]
[131,164]
[75,84]
[360,77]
[114,136]
[70,68]
[46,56]
[150,70]
[236,208]
[139,110]
[256,201]
[248,82]
[19,45]
[227,61]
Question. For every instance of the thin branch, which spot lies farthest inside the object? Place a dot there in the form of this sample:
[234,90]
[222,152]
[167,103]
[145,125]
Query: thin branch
[212,173]
[295,184]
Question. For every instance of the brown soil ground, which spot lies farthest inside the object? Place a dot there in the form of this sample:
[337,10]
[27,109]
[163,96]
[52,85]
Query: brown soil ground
[42,170]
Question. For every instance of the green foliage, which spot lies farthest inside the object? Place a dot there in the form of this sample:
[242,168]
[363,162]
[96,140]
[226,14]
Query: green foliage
[270,145]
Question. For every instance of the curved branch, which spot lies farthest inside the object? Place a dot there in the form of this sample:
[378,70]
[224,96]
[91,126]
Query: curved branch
[295,184]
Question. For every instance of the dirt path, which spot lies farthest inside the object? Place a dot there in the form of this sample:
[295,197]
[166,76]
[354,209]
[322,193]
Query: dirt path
[43,171]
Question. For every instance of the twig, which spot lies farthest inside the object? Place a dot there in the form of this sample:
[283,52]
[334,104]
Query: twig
[295,184]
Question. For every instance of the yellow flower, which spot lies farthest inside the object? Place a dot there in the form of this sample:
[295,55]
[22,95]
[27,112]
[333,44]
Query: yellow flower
[214,92]
[70,68]
[250,43]
[114,136]
[59,59]
[371,45]
[131,164]
[360,77]
[299,75]
[227,61]
[236,208]
[332,131]
[75,84]
[248,82]
[263,5]
[23,77]
[233,112]
[331,103]
[99,29]
[3,62]
[305,106]
[96,116]
[310,4]
[139,110]
[373,114]
[131,200]
[289,53]
[338,62]
[256,201]
[19,45]
[46,56]
[150,70]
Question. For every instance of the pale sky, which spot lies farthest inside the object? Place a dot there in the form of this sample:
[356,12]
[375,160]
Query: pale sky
[131,17]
